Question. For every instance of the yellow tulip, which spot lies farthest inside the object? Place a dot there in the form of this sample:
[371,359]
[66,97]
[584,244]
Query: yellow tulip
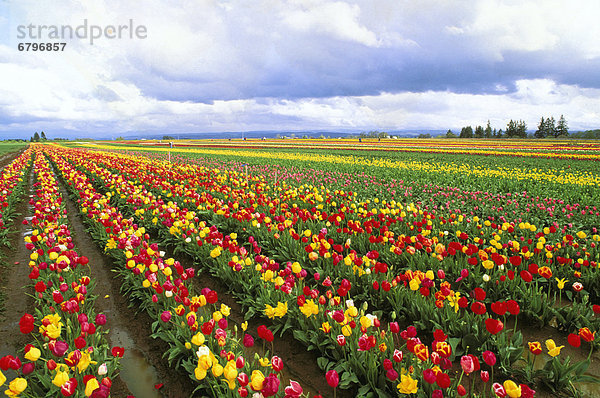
[513,390]
[256,380]
[33,354]
[16,387]
[408,385]
[90,386]
[553,350]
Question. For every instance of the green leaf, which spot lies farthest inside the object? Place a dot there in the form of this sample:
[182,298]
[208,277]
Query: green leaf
[323,363]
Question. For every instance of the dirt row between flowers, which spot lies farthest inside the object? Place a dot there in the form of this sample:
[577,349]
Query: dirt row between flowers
[14,280]
[9,157]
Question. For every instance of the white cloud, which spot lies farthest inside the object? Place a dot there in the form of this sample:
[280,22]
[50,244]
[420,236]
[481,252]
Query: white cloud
[338,19]
[298,64]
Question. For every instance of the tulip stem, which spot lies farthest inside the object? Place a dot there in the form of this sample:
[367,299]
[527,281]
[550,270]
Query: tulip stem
[472,386]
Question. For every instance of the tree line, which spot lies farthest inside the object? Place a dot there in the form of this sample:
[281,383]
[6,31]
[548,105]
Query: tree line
[547,127]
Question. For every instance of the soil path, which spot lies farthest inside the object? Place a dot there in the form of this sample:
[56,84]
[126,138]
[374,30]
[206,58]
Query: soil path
[9,157]
[142,365]
[15,282]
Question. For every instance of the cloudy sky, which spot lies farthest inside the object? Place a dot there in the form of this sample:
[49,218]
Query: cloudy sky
[243,65]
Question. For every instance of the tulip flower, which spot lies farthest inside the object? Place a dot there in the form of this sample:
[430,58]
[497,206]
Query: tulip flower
[333,378]
[535,347]
[574,340]
[118,351]
[429,376]
[586,334]
[493,326]
[26,324]
[489,358]
[276,363]
[407,385]
[270,385]
[165,316]
[512,389]
[467,364]
[499,390]
[16,387]
[69,387]
[553,350]
[294,390]
[485,376]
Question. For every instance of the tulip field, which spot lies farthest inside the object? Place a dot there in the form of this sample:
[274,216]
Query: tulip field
[418,268]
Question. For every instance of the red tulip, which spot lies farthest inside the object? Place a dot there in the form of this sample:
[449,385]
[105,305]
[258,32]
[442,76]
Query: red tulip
[69,387]
[499,307]
[478,308]
[276,363]
[485,376]
[574,340]
[513,307]
[270,385]
[391,374]
[294,390]
[443,380]
[489,358]
[526,276]
[586,334]
[333,379]
[429,376]
[242,378]
[439,335]
[493,326]
[118,352]
[165,316]
[26,324]
[467,364]
[58,347]
[248,340]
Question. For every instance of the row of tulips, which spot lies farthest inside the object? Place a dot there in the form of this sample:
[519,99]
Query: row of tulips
[308,307]
[12,183]
[583,153]
[582,181]
[68,354]
[218,355]
[432,196]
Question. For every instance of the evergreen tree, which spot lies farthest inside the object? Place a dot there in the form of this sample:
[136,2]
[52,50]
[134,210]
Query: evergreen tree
[36,137]
[488,130]
[495,133]
[43,136]
[541,131]
[479,132]
[466,132]
[450,134]
[500,134]
[521,129]
[551,127]
[562,129]
[511,129]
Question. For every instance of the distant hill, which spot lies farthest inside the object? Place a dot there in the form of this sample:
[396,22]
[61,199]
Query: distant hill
[282,133]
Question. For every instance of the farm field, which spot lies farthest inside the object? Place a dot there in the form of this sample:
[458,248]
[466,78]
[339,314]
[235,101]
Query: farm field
[288,268]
